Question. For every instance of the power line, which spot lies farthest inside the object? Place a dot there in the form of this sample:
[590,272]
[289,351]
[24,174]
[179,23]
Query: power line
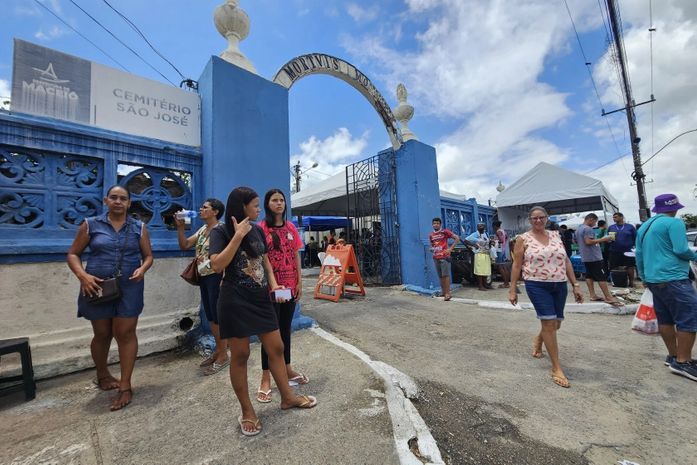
[140,33]
[590,74]
[80,34]
[121,42]
[667,144]
[609,163]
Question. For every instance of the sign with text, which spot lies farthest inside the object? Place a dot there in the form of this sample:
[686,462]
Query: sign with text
[320,63]
[49,83]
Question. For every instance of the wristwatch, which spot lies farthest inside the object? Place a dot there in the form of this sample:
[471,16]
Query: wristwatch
[576,285]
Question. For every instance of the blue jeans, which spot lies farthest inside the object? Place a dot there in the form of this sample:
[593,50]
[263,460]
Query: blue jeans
[548,298]
[675,303]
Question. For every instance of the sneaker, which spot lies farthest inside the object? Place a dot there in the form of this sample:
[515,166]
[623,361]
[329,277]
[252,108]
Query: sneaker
[669,359]
[687,369]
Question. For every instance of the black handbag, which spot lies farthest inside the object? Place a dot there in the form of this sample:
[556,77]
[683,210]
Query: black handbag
[109,288]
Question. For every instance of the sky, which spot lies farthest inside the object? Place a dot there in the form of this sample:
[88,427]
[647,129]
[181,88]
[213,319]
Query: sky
[497,86]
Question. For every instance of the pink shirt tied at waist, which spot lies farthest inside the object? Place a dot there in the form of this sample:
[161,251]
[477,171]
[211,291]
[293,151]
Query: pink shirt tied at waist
[544,262]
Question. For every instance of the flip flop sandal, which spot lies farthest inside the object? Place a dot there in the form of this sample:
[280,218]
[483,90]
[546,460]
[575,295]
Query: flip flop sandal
[300,378]
[256,423]
[114,407]
[561,381]
[216,367]
[207,362]
[615,303]
[597,299]
[267,396]
[308,402]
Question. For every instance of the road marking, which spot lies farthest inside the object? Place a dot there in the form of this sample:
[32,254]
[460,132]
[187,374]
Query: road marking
[406,421]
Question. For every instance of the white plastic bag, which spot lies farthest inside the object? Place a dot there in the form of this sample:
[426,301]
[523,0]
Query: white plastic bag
[645,318]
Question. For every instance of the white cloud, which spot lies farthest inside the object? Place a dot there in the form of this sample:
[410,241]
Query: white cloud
[331,154]
[361,14]
[481,64]
[53,33]
[5,92]
[675,109]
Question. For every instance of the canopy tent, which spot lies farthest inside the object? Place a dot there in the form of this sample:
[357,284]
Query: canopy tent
[323,223]
[556,189]
[328,198]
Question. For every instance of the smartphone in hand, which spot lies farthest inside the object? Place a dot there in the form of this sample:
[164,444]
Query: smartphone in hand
[283,294]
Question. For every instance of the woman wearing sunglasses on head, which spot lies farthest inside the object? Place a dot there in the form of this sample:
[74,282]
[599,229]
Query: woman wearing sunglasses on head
[209,281]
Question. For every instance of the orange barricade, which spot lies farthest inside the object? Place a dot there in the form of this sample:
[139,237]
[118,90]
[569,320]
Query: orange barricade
[339,274]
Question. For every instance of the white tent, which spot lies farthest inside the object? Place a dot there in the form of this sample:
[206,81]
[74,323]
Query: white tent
[328,198]
[556,189]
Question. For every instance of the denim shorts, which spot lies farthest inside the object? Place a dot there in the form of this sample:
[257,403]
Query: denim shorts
[443,267]
[548,298]
[675,303]
[210,290]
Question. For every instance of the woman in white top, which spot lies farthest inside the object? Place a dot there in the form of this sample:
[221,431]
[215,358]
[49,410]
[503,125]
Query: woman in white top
[211,211]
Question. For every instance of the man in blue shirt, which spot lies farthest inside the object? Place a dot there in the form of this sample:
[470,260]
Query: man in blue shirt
[624,237]
[663,261]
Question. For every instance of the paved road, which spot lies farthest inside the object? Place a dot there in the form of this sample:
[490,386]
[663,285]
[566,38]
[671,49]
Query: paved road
[487,401]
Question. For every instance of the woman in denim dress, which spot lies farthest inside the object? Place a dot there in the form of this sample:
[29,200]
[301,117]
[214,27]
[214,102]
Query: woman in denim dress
[110,235]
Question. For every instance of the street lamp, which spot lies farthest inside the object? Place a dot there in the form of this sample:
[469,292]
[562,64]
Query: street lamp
[297,173]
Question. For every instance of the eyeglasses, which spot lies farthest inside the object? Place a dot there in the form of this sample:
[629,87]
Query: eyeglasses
[538,218]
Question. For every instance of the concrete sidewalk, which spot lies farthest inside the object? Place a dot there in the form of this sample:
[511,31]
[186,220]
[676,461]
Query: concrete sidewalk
[179,416]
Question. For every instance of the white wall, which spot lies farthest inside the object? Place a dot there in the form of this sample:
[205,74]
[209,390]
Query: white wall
[39,301]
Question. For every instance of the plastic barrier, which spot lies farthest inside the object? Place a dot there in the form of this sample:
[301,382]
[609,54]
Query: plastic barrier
[339,274]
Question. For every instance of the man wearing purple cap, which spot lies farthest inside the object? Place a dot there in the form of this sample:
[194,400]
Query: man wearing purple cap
[662,259]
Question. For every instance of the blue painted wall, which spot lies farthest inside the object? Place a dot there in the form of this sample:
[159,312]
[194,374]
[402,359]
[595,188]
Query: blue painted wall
[244,131]
[418,202]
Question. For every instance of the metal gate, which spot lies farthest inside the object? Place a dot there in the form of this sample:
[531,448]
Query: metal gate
[371,193]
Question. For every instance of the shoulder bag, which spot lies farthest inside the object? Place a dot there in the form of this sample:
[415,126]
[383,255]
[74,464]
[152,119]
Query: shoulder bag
[109,288]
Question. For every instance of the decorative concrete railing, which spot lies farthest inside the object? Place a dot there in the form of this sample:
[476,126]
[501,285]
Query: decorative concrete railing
[54,174]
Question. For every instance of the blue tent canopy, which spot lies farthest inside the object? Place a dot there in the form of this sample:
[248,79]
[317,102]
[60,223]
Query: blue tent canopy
[322,223]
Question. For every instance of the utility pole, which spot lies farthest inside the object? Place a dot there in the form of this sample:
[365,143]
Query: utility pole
[638,174]
[296,175]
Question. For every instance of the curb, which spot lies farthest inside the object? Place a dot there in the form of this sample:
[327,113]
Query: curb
[407,424]
[596,307]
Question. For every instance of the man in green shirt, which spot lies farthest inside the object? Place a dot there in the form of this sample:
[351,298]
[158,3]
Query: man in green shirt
[663,261]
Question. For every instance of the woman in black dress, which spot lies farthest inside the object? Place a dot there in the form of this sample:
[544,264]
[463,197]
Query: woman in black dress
[238,248]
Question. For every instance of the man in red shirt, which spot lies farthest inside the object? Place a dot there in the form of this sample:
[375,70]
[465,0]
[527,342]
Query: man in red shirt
[441,254]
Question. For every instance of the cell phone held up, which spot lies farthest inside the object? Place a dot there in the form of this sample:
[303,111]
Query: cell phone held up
[284,294]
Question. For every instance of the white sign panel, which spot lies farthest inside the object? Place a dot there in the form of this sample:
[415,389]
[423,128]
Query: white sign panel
[135,105]
[49,83]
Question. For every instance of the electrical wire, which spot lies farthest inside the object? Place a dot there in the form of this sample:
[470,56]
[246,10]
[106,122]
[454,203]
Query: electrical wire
[609,163]
[590,74]
[121,42]
[140,33]
[667,144]
[80,34]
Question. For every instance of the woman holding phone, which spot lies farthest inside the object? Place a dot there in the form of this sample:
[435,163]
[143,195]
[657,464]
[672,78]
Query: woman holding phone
[238,248]
[283,243]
